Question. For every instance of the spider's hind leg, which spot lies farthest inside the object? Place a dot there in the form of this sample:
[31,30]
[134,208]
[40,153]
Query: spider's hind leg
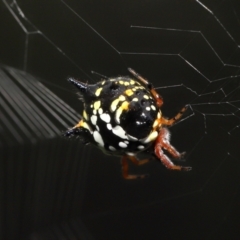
[125,167]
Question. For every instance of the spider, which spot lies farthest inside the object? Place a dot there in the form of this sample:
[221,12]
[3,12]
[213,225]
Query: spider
[122,117]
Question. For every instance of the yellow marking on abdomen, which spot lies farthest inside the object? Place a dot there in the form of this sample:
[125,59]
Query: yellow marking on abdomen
[97,105]
[85,115]
[129,92]
[132,82]
[151,137]
[97,93]
[119,111]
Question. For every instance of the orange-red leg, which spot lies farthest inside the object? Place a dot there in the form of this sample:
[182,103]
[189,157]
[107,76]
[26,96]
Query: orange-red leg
[163,142]
[137,161]
[125,167]
[164,139]
[170,122]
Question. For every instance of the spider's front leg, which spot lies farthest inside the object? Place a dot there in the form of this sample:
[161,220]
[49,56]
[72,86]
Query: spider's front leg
[170,122]
[162,142]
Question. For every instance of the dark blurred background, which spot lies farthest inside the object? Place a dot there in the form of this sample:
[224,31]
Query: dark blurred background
[53,188]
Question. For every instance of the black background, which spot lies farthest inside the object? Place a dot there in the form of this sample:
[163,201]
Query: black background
[184,49]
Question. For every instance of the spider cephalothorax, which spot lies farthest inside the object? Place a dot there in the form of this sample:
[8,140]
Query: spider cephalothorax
[122,116]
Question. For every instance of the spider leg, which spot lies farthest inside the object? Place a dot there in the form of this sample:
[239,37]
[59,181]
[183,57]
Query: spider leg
[163,142]
[158,98]
[125,167]
[170,122]
[164,139]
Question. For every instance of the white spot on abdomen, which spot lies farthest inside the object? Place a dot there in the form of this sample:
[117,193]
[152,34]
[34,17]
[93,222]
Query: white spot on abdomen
[130,154]
[122,145]
[118,130]
[105,117]
[98,138]
[114,105]
[94,119]
[112,148]
[153,107]
[100,111]
[131,138]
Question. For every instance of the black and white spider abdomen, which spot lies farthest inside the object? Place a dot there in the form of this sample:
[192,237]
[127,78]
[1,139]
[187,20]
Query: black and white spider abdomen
[119,114]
